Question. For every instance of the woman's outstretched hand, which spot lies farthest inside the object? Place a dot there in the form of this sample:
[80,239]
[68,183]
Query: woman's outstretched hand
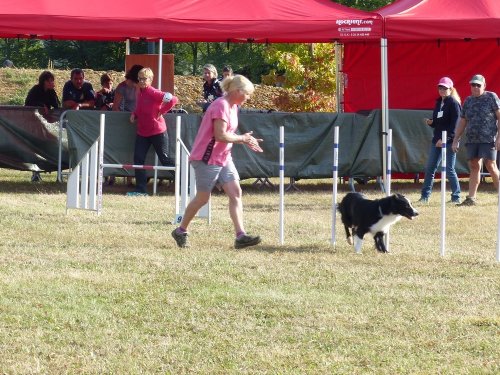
[252,142]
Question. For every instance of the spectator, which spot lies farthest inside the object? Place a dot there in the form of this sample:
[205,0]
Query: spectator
[152,104]
[480,116]
[211,86]
[227,71]
[212,161]
[106,95]
[444,117]
[125,100]
[78,93]
[126,92]
[43,93]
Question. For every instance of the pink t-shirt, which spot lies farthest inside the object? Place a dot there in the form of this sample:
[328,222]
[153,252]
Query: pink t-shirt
[149,103]
[205,147]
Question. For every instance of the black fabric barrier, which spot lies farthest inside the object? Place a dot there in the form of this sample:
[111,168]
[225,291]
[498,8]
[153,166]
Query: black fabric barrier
[411,141]
[28,139]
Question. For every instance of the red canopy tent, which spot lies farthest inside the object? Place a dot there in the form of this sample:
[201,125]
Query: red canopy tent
[427,39]
[274,21]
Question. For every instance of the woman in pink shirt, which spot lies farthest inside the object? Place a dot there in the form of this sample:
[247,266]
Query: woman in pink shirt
[212,162]
[151,105]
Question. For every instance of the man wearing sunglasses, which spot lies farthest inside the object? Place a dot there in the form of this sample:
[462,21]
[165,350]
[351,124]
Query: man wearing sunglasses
[480,115]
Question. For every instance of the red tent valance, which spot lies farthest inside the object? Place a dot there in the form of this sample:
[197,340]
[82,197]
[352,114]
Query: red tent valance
[189,20]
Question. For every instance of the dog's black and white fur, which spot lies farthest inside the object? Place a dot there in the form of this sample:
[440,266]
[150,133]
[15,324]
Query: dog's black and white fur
[362,215]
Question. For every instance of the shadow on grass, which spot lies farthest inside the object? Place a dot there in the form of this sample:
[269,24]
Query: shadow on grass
[302,249]
[18,182]
[27,187]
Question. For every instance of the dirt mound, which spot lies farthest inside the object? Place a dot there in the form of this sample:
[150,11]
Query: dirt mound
[188,89]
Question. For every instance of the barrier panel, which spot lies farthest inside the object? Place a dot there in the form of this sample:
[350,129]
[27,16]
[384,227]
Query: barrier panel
[84,186]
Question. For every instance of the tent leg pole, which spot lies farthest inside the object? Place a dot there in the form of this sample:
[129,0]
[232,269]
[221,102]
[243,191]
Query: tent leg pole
[339,78]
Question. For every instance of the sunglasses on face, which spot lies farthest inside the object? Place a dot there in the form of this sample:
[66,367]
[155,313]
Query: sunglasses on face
[478,85]
[442,88]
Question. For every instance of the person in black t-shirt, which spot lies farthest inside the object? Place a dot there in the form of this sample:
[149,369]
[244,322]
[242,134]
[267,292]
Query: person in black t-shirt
[43,94]
[78,93]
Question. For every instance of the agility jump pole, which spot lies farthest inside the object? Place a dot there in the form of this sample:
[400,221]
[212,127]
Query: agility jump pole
[282,184]
[498,226]
[184,172]
[159,81]
[443,193]
[335,169]
[388,179]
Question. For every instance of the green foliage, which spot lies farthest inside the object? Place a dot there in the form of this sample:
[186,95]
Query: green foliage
[245,58]
[310,74]
[86,55]
[23,52]
[368,5]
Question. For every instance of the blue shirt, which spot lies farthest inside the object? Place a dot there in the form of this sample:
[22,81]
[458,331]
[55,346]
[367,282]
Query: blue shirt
[480,113]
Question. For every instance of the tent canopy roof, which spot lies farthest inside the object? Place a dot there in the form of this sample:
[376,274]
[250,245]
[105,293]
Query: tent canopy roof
[441,19]
[271,21]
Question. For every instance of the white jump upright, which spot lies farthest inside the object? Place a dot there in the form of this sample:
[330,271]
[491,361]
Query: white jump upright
[335,178]
[498,225]
[282,185]
[84,188]
[185,191]
[388,178]
[443,193]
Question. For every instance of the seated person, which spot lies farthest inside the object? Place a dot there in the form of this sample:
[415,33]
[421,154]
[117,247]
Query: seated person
[78,93]
[211,87]
[106,95]
[227,71]
[43,93]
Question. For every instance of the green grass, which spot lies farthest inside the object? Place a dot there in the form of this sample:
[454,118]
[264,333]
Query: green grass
[16,84]
[20,77]
[112,294]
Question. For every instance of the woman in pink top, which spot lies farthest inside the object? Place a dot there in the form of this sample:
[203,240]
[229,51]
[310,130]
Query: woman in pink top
[151,105]
[212,162]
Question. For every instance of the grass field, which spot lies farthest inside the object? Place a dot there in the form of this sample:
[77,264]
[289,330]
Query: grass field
[113,295]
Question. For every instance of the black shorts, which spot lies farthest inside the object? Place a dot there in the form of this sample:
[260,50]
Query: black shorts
[481,151]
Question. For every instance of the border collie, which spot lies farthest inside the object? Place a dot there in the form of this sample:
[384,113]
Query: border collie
[362,215]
